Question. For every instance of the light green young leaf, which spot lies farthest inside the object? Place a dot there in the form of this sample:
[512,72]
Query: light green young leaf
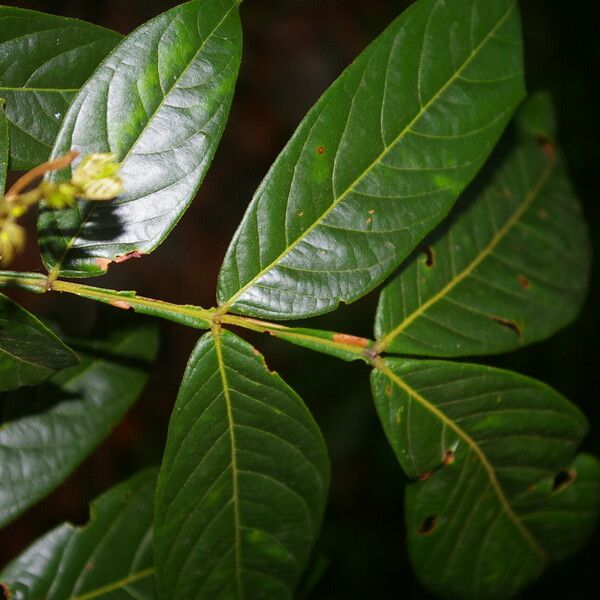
[499,493]
[243,482]
[109,558]
[44,60]
[159,102]
[510,266]
[378,161]
[29,351]
[46,432]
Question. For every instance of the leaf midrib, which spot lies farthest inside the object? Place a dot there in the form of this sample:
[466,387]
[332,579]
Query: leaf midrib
[85,218]
[507,509]
[216,334]
[227,305]
[529,199]
[116,585]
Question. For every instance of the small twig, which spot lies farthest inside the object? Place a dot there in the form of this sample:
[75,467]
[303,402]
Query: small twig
[52,165]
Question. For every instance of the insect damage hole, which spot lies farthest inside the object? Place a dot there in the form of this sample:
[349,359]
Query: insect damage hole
[428,525]
[509,325]
[429,256]
[562,479]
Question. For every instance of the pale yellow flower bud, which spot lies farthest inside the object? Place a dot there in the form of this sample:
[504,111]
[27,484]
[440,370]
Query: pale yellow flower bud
[96,177]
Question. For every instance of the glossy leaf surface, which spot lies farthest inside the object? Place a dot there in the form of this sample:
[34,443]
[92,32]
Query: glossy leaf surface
[29,351]
[44,60]
[159,102]
[511,265]
[378,161]
[46,432]
[499,493]
[108,558]
[243,482]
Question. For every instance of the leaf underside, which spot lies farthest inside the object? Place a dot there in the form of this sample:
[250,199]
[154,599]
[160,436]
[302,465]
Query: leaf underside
[29,351]
[243,482]
[498,491]
[46,432]
[160,102]
[44,60]
[378,161]
[110,557]
[509,267]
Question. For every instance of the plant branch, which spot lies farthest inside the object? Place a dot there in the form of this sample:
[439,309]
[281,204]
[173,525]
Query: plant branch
[52,165]
[341,345]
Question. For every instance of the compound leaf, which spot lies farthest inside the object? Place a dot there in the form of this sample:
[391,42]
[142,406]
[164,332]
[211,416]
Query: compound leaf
[29,351]
[511,266]
[160,102]
[243,482]
[378,161]
[498,493]
[46,432]
[110,557]
[44,60]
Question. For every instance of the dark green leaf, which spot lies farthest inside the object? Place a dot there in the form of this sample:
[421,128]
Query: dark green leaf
[110,557]
[46,434]
[29,351]
[378,161]
[160,102]
[498,495]
[243,482]
[44,60]
[3,149]
[510,267]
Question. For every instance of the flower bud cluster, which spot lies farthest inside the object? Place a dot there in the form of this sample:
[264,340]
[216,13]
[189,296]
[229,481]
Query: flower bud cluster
[95,178]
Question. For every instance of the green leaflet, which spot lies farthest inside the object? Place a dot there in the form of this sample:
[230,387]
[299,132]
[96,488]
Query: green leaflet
[110,557]
[243,482]
[510,266]
[29,351]
[160,102]
[3,148]
[44,60]
[46,432]
[500,493]
[378,161]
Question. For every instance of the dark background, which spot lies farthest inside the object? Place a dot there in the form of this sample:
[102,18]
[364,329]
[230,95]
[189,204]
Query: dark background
[293,50]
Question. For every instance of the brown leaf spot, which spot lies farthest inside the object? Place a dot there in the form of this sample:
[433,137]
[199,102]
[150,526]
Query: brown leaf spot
[5,593]
[549,150]
[320,150]
[425,476]
[449,457]
[121,304]
[255,352]
[103,263]
[429,256]
[369,221]
[524,282]
[428,525]
[562,479]
[388,390]
[124,257]
[372,211]
[350,340]
[506,193]
[508,324]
